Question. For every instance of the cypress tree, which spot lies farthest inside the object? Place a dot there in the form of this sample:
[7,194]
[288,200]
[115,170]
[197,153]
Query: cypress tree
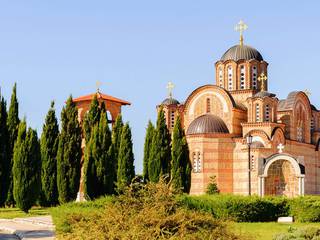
[147,149]
[26,168]
[116,139]
[4,161]
[91,118]
[180,166]
[125,159]
[159,161]
[98,166]
[69,153]
[49,147]
[13,125]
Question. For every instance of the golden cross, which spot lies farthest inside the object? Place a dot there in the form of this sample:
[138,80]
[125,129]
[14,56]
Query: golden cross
[262,78]
[170,87]
[241,27]
[308,93]
[98,84]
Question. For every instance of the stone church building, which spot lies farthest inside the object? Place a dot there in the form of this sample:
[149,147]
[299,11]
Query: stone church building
[238,131]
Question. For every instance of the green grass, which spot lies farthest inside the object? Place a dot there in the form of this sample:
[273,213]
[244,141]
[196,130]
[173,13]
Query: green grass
[10,213]
[266,231]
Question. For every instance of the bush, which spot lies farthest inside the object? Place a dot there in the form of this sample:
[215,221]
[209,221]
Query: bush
[239,208]
[212,186]
[311,233]
[305,209]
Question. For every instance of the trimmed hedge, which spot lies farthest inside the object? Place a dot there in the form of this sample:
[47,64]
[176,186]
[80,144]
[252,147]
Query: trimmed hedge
[305,209]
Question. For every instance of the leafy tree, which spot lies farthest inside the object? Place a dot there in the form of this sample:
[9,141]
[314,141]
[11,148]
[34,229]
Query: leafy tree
[69,153]
[116,139]
[98,166]
[125,159]
[160,155]
[91,118]
[49,147]
[212,187]
[147,149]
[26,168]
[13,125]
[180,167]
[4,161]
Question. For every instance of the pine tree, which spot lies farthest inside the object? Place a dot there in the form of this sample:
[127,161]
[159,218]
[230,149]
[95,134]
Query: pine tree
[180,165]
[49,147]
[116,139]
[147,149]
[98,166]
[91,118]
[4,161]
[159,161]
[69,154]
[125,159]
[13,125]
[26,168]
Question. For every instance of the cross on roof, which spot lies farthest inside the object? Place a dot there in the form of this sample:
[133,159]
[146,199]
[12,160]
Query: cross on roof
[263,78]
[280,148]
[98,85]
[241,27]
[170,87]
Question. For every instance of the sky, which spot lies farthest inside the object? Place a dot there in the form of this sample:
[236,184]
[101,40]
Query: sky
[52,49]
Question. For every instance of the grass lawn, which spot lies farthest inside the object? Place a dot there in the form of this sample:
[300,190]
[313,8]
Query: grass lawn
[17,213]
[265,231]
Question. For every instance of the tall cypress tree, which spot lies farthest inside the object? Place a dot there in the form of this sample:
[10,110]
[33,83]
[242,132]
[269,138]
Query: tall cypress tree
[69,153]
[26,168]
[98,166]
[125,159]
[4,161]
[116,139]
[180,165]
[13,125]
[91,118]
[49,147]
[147,149]
[160,156]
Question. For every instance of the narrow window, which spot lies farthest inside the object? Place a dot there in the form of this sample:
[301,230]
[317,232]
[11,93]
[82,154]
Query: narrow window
[257,113]
[172,117]
[254,77]
[267,113]
[220,77]
[196,162]
[242,77]
[230,78]
[208,105]
[312,127]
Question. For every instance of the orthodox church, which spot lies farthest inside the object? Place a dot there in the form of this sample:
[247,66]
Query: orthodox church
[239,132]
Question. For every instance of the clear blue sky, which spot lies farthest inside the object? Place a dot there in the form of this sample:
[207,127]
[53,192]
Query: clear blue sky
[56,48]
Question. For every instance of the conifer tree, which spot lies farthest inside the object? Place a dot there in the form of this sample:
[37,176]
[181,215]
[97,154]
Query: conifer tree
[147,149]
[125,159]
[69,153]
[4,161]
[13,125]
[91,118]
[98,166]
[49,147]
[26,168]
[116,139]
[180,165]
[160,156]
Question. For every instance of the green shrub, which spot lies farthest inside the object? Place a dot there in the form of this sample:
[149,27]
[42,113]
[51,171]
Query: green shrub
[311,233]
[305,209]
[212,186]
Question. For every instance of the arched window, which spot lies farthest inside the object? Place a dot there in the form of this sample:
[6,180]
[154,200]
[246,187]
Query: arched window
[242,77]
[172,117]
[220,77]
[257,112]
[196,162]
[254,77]
[208,105]
[267,113]
[230,78]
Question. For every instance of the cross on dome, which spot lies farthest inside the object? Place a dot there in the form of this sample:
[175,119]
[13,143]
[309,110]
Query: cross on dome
[280,148]
[98,85]
[241,27]
[170,87]
[263,78]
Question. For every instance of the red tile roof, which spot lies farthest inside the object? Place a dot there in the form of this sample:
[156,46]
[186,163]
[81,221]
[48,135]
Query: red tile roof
[101,96]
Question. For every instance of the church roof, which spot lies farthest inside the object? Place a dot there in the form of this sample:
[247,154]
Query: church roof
[243,52]
[170,101]
[101,96]
[263,94]
[207,123]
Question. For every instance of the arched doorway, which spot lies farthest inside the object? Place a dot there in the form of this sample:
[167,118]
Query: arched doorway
[282,176]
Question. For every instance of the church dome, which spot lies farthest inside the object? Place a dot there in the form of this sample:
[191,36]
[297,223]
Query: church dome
[207,124]
[243,52]
[170,101]
[263,94]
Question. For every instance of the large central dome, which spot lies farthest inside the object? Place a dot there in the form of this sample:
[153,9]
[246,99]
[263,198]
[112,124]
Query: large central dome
[241,52]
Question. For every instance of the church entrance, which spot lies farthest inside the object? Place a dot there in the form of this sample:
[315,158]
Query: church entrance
[282,176]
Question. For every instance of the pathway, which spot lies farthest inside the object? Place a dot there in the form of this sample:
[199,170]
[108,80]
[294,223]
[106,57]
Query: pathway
[33,228]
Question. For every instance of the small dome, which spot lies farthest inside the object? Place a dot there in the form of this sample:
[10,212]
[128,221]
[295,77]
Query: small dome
[207,124]
[263,94]
[239,52]
[170,101]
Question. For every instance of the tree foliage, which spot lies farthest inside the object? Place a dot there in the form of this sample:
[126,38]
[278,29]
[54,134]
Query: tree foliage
[116,139]
[4,158]
[91,118]
[69,154]
[160,155]
[147,149]
[26,168]
[49,147]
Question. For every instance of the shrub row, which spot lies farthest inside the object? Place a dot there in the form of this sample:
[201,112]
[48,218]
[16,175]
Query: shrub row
[255,209]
